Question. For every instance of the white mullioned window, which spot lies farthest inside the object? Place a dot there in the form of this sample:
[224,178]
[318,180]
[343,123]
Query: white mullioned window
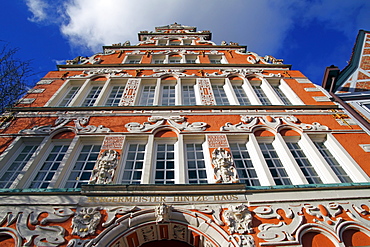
[219,92]
[243,164]
[70,96]
[147,95]
[261,94]
[15,163]
[196,165]
[132,59]
[115,95]
[164,164]
[82,169]
[304,163]
[168,95]
[188,95]
[92,95]
[133,163]
[241,95]
[50,166]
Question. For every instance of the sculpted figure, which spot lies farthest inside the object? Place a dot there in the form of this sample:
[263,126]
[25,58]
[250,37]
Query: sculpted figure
[105,167]
[85,221]
[223,164]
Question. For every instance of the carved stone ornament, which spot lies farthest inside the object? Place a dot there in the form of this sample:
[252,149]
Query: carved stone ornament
[206,92]
[238,219]
[275,122]
[175,121]
[62,121]
[162,213]
[130,91]
[245,241]
[223,166]
[92,60]
[105,72]
[104,169]
[162,72]
[85,221]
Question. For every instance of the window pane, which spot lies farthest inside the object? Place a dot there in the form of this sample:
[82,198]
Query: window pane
[165,164]
[115,96]
[133,164]
[69,96]
[195,163]
[261,95]
[220,95]
[147,95]
[188,95]
[240,94]
[92,96]
[168,95]
[281,95]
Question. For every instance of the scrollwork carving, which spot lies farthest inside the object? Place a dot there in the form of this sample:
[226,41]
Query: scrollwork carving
[238,219]
[85,221]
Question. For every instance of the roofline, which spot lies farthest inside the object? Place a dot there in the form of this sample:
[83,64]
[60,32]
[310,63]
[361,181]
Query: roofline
[354,61]
[174,46]
[207,33]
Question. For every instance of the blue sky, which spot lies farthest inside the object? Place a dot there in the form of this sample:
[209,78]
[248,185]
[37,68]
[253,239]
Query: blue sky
[309,34]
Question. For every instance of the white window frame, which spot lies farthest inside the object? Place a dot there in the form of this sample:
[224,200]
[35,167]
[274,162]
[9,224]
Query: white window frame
[136,58]
[63,91]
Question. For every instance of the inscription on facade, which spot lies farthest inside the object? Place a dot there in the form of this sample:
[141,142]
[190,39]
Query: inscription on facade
[113,142]
[217,141]
[164,199]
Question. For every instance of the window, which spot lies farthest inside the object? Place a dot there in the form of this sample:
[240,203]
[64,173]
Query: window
[147,95]
[133,166]
[115,96]
[220,95]
[274,164]
[333,163]
[191,59]
[17,165]
[168,95]
[174,42]
[158,59]
[304,164]
[261,95]
[70,95]
[215,59]
[243,164]
[162,42]
[174,59]
[92,96]
[133,59]
[165,164]
[281,95]
[188,95]
[83,167]
[240,95]
[195,163]
[49,167]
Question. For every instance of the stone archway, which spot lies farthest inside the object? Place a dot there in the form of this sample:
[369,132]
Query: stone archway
[165,223]
[166,243]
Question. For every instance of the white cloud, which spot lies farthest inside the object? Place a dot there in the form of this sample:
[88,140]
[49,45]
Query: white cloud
[262,25]
[38,9]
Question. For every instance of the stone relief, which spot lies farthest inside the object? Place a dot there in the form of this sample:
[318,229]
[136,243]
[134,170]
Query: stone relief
[223,166]
[148,233]
[104,72]
[162,213]
[275,122]
[104,169]
[129,92]
[175,121]
[79,122]
[206,92]
[179,232]
[238,219]
[245,240]
[85,221]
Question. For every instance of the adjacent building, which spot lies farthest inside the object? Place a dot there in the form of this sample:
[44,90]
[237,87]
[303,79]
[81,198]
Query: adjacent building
[180,141]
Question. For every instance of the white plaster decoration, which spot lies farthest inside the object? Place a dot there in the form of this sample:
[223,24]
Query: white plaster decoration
[179,232]
[206,92]
[85,221]
[254,58]
[44,82]
[162,213]
[215,211]
[223,166]
[346,121]
[37,235]
[84,60]
[303,80]
[162,72]
[243,72]
[175,121]
[148,233]
[105,72]
[130,92]
[245,240]
[26,101]
[113,212]
[239,219]
[62,121]
[365,147]
[275,122]
[36,90]
[78,242]
[137,52]
[105,167]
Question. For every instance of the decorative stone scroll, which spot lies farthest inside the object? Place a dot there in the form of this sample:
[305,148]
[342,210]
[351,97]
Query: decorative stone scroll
[162,72]
[104,169]
[223,166]
[175,121]
[62,121]
[162,213]
[238,219]
[85,221]
[105,72]
[130,92]
[275,122]
[206,92]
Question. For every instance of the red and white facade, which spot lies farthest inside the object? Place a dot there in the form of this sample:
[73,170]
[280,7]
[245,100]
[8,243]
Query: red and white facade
[178,140]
